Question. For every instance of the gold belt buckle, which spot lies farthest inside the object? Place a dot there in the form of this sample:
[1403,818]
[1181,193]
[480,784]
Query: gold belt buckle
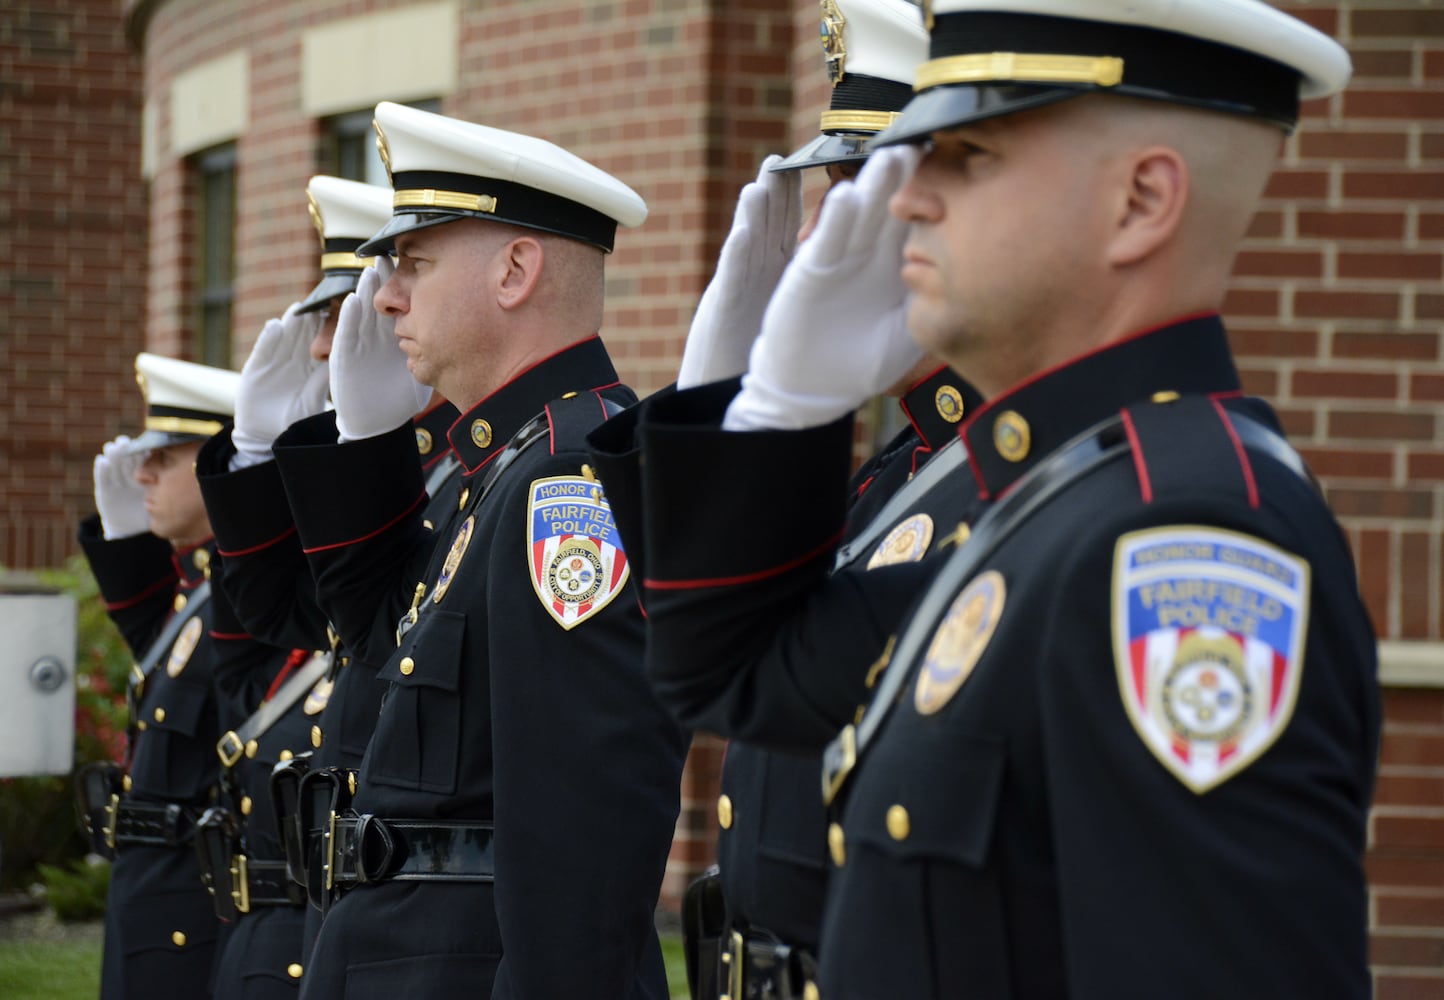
[328,851]
[240,883]
[229,748]
[112,820]
[732,958]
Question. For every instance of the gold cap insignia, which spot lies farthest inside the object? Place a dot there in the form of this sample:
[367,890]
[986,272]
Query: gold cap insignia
[833,43]
[959,641]
[313,207]
[383,149]
[927,6]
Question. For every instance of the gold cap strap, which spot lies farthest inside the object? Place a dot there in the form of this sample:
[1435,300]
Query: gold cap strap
[993,67]
[432,198]
[330,260]
[857,121]
[183,425]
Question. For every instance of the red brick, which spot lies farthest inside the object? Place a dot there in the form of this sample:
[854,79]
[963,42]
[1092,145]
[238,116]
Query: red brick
[1279,264]
[1267,225]
[1348,463]
[1406,950]
[1410,911]
[1346,305]
[1323,145]
[1385,346]
[1263,342]
[1286,183]
[1421,466]
[1408,986]
[1424,705]
[1251,302]
[1376,425]
[1399,185]
[1411,790]
[1396,266]
[1351,225]
[1419,23]
[1418,601]
[1335,383]
[1371,556]
[1415,749]
[1405,104]
[1415,504]
[1381,63]
[1259,381]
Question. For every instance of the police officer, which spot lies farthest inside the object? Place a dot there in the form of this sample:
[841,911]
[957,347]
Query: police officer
[323,726]
[1125,743]
[151,551]
[514,810]
[772,847]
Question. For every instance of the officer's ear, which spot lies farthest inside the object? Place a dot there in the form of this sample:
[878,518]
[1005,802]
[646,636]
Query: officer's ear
[520,266]
[1151,197]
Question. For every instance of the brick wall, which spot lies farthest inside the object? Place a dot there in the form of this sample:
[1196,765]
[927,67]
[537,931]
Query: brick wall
[72,239]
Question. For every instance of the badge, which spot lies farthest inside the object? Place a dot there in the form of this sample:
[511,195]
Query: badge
[833,43]
[317,697]
[1208,642]
[577,562]
[313,208]
[382,149]
[908,542]
[949,402]
[184,646]
[453,559]
[959,642]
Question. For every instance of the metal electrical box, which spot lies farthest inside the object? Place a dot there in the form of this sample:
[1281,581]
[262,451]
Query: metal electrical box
[37,680]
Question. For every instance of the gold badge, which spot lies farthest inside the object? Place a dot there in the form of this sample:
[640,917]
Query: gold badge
[959,641]
[576,574]
[908,542]
[184,646]
[423,440]
[1012,436]
[481,433]
[453,559]
[949,402]
[318,696]
[833,43]
[382,149]
[313,207]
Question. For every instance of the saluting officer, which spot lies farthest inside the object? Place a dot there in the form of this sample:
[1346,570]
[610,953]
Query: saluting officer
[151,551]
[772,846]
[1125,743]
[514,810]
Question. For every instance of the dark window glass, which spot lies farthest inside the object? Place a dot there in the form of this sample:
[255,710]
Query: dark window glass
[216,254]
[350,145]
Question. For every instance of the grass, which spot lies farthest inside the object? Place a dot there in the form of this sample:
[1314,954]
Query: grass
[41,959]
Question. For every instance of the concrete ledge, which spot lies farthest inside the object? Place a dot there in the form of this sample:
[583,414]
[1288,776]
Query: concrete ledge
[350,64]
[1411,664]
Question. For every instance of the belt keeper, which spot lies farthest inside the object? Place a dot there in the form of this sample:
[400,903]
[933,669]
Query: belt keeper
[240,883]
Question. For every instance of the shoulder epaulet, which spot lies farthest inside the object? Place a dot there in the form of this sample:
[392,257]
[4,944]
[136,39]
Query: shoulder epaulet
[575,415]
[1182,442]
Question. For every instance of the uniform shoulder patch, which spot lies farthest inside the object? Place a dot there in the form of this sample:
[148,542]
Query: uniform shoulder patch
[577,562]
[184,645]
[1208,645]
[907,542]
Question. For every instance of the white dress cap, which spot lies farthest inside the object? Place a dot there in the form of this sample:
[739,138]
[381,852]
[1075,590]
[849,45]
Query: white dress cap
[345,214]
[184,401]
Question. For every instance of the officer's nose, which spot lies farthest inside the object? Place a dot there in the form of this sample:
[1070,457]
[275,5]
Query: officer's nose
[390,298]
[914,201]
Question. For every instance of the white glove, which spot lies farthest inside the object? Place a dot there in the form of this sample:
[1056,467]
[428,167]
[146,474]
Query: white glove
[119,499]
[762,241]
[371,386]
[835,333]
[280,384]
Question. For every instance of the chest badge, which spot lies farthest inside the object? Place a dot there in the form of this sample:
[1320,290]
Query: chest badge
[184,646]
[1208,639]
[959,641]
[577,562]
[907,542]
[318,696]
[453,559]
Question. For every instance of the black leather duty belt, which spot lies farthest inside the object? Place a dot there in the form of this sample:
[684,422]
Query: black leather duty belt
[265,884]
[757,966]
[160,824]
[367,848]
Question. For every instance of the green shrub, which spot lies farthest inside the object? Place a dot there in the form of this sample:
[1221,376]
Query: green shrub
[77,891]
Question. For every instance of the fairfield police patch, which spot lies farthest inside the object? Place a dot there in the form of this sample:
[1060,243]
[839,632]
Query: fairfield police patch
[1208,644]
[577,562]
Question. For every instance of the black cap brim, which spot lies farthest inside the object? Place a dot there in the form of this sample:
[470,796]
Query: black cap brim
[405,222]
[334,285]
[941,108]
[151,440]
[826,149]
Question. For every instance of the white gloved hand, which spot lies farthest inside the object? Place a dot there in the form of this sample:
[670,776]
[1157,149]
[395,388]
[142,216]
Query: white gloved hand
[762,241]
[372,388]
[835,333]
[280,384]
[119,499]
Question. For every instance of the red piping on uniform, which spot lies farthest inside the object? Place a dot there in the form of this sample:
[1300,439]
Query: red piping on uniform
[918,452]
[231,553]
[1243,462]
[1140,464]
[983,492]
[231,636]
[385,527]
[732,581]
[297,657]
[147,592]
[903,400]
[863,488]
[535,364]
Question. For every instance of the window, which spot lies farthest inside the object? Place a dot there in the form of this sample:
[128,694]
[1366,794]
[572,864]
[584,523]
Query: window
[216,253]
[352,146]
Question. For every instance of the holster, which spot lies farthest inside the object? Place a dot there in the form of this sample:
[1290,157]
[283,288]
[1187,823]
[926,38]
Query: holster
[286,806]
[218,843]
[323,793]
[704,934]
[97,791]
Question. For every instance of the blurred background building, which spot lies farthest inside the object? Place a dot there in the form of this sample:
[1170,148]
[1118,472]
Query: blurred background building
[154,154]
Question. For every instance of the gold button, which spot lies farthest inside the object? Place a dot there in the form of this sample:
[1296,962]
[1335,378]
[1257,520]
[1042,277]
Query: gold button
[160,715]
[294,970]
[810,991]
[898,824]
[251,748]
[949,402]
[245,805]
[407,665]
[423,443]
[178,938]
[465,496]
[1012,436]
[836,844]
[351,782]
[141,725]
[480,433]
[569,395]
[724,812]
[180,601]
[202,558]
[284,755]
[1167,396]
[125,783]
[316,736]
